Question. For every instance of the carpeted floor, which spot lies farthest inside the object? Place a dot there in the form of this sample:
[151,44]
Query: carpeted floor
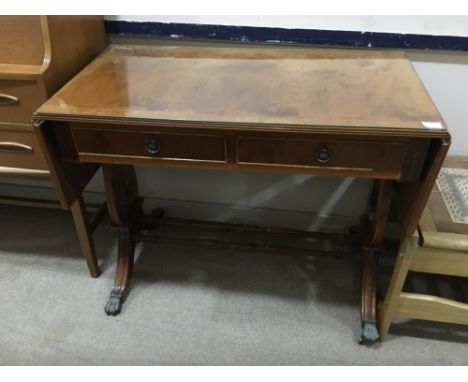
[190,306]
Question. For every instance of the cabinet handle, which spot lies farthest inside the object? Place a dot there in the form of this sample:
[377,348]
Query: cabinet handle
[323,155]
[6,99]
[14,147]
[152,146]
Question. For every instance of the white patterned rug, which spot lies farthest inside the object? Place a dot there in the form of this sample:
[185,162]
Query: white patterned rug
[453,185]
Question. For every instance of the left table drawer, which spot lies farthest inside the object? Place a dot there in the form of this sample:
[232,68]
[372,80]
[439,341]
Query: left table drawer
[126,146]
[21,150]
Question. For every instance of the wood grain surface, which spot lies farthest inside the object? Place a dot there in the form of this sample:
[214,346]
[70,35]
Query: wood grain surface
[310,87]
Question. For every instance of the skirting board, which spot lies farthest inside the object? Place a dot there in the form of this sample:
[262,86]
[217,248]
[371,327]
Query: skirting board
[210,211]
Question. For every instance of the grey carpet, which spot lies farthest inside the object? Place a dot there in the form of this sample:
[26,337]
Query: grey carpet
[189,306]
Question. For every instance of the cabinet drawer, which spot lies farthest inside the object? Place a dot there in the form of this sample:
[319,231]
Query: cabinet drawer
[354,157]
[148,145]
[21,150]
[18,100]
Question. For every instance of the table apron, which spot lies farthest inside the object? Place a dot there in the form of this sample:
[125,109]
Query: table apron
[395,158]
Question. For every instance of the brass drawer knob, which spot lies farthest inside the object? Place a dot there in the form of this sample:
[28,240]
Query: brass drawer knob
[152,146]
[323,155]
[6,99]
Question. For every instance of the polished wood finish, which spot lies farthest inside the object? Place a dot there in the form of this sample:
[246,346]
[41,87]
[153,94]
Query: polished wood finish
[317,111]
[456,161]
[371,159]
[290,241]
[374,227]
[84,233]
[30,202]
[411,197]
[362,156]
[389,305]
[446,240]
[98,209]
[38,54]
[442,253]
[18,32]
[29,97]
[124,210]
[70,178]
[36,63]
[67,59]
[115,144]
[303,88]
[424,307]
[445,261]
[21,150]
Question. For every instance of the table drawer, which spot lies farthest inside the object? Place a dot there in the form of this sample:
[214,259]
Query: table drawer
[148,145]
[354,156]
[18,100]
[21,150]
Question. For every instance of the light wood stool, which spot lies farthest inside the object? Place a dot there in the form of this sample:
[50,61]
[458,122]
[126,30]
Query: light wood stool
[426,251]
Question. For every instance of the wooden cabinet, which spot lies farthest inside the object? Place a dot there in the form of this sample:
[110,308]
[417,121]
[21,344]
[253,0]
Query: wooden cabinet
[21,150]
[38,55]
[18,100]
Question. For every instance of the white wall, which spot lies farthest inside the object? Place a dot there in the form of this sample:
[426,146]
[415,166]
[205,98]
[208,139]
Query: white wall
[295,200]
[445,76]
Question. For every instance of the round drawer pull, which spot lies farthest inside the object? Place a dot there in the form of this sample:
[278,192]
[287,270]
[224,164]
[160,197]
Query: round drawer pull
[323,155]
[152,146]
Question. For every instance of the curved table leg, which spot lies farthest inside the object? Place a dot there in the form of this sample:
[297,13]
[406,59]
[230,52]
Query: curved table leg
[123,277]
[375,223]
[124,207]
[369,333]
[126,251]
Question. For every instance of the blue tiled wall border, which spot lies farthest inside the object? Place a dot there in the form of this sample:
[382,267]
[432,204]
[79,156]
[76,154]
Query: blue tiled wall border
[288,36]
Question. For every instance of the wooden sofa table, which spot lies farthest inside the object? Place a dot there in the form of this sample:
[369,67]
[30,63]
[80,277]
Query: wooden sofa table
[331,112]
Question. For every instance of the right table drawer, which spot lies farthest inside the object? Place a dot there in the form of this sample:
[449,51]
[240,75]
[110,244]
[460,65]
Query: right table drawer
[365,158]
